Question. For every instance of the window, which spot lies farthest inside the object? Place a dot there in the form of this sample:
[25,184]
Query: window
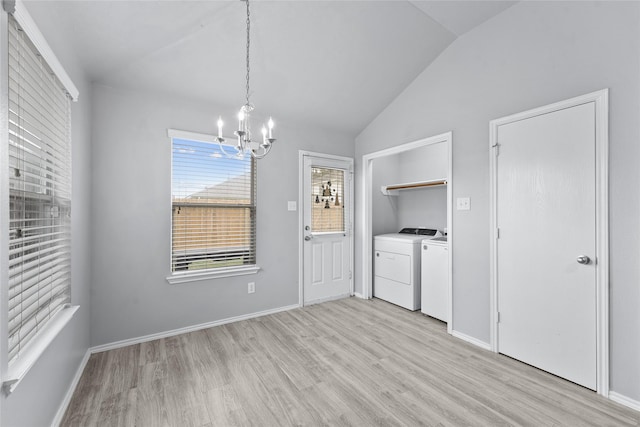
[213,201]
[327,212]
[39,169]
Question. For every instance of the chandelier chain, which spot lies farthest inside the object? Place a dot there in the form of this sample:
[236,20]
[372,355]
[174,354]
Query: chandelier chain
[248,47]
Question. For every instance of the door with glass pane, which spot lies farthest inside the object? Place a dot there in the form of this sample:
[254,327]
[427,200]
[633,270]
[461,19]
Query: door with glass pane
[327,247]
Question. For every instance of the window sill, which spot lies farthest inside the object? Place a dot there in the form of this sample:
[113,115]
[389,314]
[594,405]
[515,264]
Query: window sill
[185,277]
[28,357]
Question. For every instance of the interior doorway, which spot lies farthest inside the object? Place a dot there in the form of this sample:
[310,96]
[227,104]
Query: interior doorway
[366,216]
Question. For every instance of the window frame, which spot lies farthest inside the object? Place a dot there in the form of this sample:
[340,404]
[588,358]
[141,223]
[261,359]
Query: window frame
[186,276]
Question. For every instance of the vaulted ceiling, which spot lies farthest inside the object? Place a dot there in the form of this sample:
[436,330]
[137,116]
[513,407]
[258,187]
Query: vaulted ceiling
[335,64]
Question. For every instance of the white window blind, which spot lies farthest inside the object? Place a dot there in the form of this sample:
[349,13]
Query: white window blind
[39,158]
[214,207]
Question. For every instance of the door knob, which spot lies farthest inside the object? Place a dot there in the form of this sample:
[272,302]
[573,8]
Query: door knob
[307,228]
[583,259]
[307,238]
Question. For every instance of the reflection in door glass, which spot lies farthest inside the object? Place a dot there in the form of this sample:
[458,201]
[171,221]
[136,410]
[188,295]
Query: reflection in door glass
[327,200]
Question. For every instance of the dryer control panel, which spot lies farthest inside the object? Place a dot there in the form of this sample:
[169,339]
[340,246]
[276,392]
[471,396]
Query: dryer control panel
[421,231]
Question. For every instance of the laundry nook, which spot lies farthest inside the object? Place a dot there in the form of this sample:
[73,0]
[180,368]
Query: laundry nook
[411,192]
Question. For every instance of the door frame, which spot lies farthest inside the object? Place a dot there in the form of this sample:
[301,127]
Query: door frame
[601,101]
[365,216]
[301,156]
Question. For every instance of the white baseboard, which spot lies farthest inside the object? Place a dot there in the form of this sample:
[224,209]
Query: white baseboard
[624,400]
[72,388]
[187,329]
[471,340]
[358,295]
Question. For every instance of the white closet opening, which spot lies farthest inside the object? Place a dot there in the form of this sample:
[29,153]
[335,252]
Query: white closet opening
[399,192]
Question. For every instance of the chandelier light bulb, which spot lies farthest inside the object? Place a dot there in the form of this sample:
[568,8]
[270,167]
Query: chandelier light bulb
[220,124]
[270,124]
[264,134]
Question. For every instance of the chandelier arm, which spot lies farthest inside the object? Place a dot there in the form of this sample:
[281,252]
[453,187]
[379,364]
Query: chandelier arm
[257,156]
[265,151]
[225,151]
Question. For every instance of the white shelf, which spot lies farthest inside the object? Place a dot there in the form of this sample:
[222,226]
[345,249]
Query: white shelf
[394,189]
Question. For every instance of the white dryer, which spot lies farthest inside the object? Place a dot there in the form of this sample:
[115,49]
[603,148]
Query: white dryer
[397,266]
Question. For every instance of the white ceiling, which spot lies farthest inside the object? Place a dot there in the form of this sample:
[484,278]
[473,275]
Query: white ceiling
[335,64]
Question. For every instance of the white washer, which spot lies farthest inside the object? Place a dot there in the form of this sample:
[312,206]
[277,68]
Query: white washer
[434,277]
[397,266]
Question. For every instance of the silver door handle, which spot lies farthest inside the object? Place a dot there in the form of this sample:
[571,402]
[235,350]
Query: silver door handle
[583,259]
[307,238]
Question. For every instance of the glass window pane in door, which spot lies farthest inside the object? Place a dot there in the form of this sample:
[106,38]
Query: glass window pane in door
[327,200]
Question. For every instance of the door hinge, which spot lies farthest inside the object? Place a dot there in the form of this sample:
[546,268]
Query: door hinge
[497,147]
[498,317]
[497,232]
[350,275]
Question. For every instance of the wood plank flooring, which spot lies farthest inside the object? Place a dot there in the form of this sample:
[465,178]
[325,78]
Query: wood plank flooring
[350,362]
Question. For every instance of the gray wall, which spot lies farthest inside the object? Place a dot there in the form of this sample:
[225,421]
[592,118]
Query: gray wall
[424,163]
[38,397]
[533,54]
[132,218]
[424,207]
[384,218]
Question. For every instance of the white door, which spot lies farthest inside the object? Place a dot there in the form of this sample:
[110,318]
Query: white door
[546,242]
[327,207]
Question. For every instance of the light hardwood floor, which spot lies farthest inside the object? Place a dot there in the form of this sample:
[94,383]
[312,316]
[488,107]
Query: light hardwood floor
[347,362]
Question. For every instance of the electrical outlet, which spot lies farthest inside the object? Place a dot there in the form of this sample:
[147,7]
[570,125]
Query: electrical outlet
[251,288]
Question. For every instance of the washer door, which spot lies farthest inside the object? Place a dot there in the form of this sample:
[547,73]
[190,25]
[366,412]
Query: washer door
[393,266]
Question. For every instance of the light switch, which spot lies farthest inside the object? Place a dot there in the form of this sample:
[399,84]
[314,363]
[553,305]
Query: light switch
[292,205]
[463,204]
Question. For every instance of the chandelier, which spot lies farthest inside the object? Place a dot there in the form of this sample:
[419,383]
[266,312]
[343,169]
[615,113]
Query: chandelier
[245,145]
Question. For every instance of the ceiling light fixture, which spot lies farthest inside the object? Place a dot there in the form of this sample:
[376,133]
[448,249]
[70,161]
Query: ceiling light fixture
[245,144]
